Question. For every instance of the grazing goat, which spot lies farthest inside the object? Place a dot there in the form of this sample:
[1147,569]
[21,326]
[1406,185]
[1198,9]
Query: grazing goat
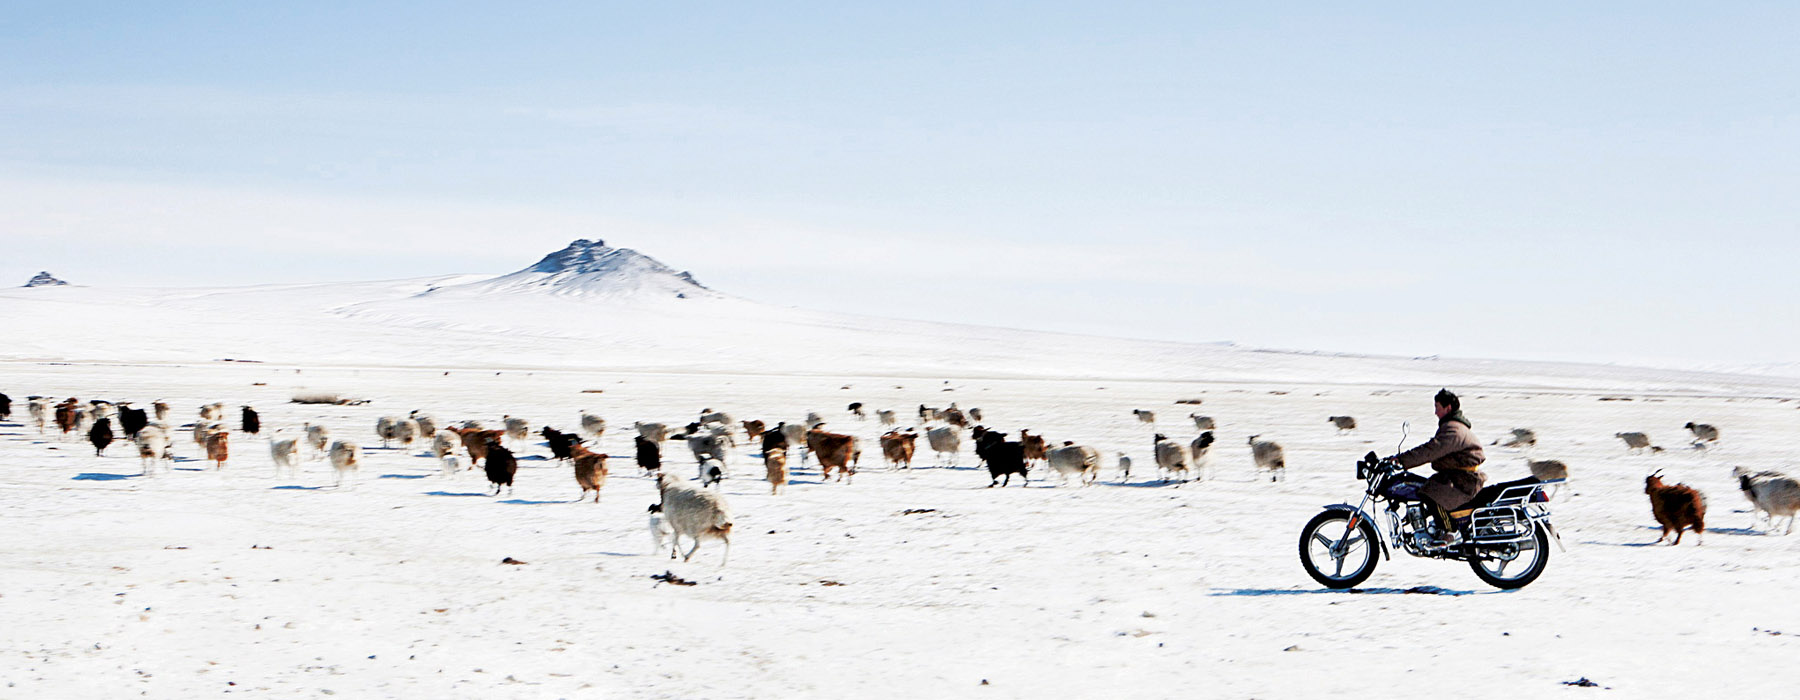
[1634,441]
[834,451]
[562,445]
[945,440]
[1003,458]
[318,437]
[1144,416]
[590,470]
[898,447]
[518,429]
[250,421]
[1676,508]
[1521,437]
[346,459]
[654,432]
[1171,458]
[775,463]
[1202,422]
[285,452]
[1774,493]
[1269,457]
[1072,460]
[856,409]
[753,430]
[696,514]
[100,435]
[593,426]
[153,447]
[1200,450]
[1703,432]
[1036,448]
[499,465]
[649,454]
[1343,423]
[218,448]
[887,418]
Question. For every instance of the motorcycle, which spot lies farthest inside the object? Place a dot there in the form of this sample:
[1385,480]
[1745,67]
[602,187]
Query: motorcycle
[1504,533]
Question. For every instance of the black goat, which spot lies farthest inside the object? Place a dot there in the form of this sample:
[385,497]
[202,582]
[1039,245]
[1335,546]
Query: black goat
[252,422]
[101,435]
[562,444]
[1003,458]
[649,454]
[500,465]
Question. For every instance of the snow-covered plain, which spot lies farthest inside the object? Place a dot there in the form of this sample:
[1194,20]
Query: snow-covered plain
[201,582]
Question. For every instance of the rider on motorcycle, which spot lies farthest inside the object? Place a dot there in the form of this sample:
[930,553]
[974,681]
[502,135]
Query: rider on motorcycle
[1455,456]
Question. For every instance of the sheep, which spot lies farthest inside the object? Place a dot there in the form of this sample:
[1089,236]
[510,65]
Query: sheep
[1521,437]
[712,444]
[775,463]
[153,447]
[499,464]
[1200,450]
[856,409]
[204,430]
[1078,461]
[1144,416]
[649,454]
[1703,432]
[41,411]
[213,412]
[161,409]
[387,428]
[696,514]
[975,414]
[1269,456]
[1676,508]
[473,425]
[1036,448]
[562,445]
[1634,441]
[711,417]
[346,459]
[101,435]
[654,432]
[1202,422]
[712,472]
[1171,458]
[1548,470]
[945,440]
[927,414]
[886,418]
[218,448]
[518,429]
[834,451]
[427,424]
[408,431]
[452,466]
[318,437]
[813,420]
[796,436]
[284,451]
[1774,493]
[250,421]
[898,447]
[954,416]
[444,443]
[593,426]
[1124,466]
[660,530]
[1343,423]
[590,470]
[1003,458]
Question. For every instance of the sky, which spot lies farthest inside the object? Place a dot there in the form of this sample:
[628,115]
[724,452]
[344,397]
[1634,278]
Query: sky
[1606,182]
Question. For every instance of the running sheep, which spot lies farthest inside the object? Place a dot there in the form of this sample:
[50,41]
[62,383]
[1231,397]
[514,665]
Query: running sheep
[696,514]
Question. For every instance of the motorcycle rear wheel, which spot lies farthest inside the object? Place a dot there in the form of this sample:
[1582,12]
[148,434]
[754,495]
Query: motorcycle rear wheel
[1336,555]
[1529,559]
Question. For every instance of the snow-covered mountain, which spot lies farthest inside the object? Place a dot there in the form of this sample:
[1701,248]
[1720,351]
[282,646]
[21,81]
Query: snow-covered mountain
[45,279]
[592,306]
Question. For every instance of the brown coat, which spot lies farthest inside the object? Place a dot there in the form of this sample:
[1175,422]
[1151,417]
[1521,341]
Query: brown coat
[1455,455]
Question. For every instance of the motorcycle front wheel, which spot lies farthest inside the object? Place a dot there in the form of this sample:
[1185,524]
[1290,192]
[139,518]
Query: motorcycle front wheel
[1335,554]
[1514,565]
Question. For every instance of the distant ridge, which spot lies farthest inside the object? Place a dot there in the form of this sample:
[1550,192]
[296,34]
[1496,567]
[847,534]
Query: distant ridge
[591,269]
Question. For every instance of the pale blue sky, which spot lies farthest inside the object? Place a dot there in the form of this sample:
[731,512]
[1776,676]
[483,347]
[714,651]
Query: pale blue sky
[1610,181]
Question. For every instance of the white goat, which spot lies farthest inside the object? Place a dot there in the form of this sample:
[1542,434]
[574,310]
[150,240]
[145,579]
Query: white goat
[153,448]
[41,412]
[887,418]
[427,425]
[1171,458]
[518,429]
[654,432]
[213,412]
[1771,492]
[284,452]
[346,458]
[593,426]
[317,437]
[945,440]
[1269,457]
[696,514]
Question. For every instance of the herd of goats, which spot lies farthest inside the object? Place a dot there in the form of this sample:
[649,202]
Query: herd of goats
[699,512]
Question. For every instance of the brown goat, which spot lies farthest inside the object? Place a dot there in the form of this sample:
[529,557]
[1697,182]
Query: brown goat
[897,447]
[775,462]
[1676,507]
[590,470]
[1035,447]
[476,442]
[835,451]
[754,429]
[218,448]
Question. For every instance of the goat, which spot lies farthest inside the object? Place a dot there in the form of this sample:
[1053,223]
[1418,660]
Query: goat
[753,429]
[775,463]
[590,470]
[649,454]
[1270,457]
[1343,423]
[250,421]
[284,452]
[1171,457]
[518,429]
[153,447]
[813,420]
[660,530]
[1077,461]
[500,465]
[100,435]
[427,424]
[1036,448]
[1521,437]
[1144,416]
[796,436]
[945,440]
[1676,508]
[887,418]
[203,431]
[713,444]
[213,412]
[654,432]
[562,445]
[1548,470]
[1770,492]
[711,417]
[834,451]
[161,409]
[132,420]
[1703,432]
[444,444]
[696,514]
[898,447]
[928,414]
[856,409]
[1200,450]
[1003,458]
[42,412]
[318,437]
[1124,466]
[712,472]
[346,459]
[218,448]
[1202,422]
[593,426]
[975,414]
[388,429]
[478,442]
[5,407]
[1634,441]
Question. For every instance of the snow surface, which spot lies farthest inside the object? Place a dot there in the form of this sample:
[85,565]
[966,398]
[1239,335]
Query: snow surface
[200,582]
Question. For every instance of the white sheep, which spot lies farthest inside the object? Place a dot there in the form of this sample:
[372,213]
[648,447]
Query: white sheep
[593,426]
[661,531]
[654,432]
[1144,416]
[1343,423]
[317,437]
[796,439]
[1634,441]
[1078,461]
[153,448]
[887,418]
[452,466]
[1202,422]
[284,452]
[1269,457]
[696,514]
[427,425]
[444,443]
[1171,458]
[388,429]
[945,440]
[41,412]
[1124,466]
[408,431]
[1771,492]
[346,459]
[213,412]
[518,429]
[1703,432]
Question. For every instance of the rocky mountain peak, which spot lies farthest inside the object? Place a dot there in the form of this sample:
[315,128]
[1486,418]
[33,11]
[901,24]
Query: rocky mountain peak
[45,279]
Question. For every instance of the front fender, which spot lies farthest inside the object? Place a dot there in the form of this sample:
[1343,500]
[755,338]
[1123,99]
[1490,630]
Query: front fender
[1360,515]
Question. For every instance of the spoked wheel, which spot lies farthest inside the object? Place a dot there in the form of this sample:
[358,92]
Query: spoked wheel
[1335,554]
[1515,565]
